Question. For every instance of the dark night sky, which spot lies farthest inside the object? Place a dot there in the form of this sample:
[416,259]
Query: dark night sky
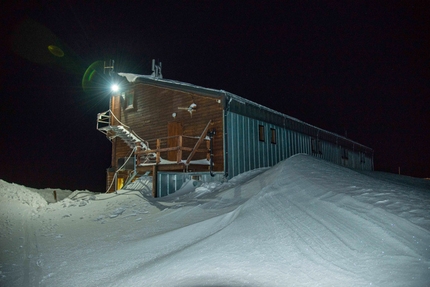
[361,68]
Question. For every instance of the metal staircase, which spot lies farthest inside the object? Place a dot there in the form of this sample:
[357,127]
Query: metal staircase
[121,131]
[125,133]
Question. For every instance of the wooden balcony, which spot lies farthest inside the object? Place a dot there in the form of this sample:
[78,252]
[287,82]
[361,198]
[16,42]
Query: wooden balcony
[176,150]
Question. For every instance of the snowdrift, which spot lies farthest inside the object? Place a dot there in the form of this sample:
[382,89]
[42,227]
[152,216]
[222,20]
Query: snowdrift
[304,222]
[18,194]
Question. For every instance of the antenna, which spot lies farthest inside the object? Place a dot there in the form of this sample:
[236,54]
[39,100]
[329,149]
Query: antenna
[109,67]
[156,70]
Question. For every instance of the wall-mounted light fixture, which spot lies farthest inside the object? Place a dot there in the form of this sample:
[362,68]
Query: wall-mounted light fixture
[114,88]
[190,109]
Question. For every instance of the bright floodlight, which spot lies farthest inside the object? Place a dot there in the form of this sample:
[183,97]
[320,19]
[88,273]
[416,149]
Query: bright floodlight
[114,88]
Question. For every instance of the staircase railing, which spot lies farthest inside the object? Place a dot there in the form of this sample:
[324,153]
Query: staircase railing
[104,120]
[181,149]
[104,124]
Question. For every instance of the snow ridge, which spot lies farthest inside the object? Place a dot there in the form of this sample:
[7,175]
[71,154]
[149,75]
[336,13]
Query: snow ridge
[20,194]
[303,222]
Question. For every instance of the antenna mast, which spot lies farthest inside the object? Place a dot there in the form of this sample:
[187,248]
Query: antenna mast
[109,67]
[156,70]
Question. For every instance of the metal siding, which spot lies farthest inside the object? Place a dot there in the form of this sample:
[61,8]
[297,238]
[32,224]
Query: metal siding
[294,143]
[280,144]
[253,135]
[244,149]
[290,143]
[246,152]
[231,155]
[245,146]
[170,182]
[352,160]
[250,137]
[270,146]
[239,139]
[260,149]
[235,156]
[300,142]
[304,141]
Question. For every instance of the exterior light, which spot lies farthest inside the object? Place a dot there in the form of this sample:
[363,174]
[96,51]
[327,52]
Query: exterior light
[114,88]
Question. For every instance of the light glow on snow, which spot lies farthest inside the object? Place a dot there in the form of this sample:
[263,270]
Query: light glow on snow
[303,222]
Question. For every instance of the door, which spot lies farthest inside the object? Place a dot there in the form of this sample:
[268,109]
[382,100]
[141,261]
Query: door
[173,129]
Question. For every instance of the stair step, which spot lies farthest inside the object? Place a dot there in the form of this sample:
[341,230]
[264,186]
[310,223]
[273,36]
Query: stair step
[123,134]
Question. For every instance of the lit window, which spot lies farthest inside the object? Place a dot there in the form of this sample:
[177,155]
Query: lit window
[120,183]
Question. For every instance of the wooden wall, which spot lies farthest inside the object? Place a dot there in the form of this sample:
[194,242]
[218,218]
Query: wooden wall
[152,112]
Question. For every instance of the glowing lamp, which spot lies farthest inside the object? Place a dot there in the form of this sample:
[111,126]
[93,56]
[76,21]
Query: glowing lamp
[114,88]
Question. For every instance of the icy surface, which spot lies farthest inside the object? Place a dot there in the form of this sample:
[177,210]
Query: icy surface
[304,222]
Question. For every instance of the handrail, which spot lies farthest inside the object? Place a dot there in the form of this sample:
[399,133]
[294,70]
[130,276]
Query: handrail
[122,124]
[104,125]
[202,137]
[179,148]
[105,118]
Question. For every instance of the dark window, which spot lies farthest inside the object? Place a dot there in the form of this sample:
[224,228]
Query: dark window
[344,153]
[273,136]
[261,133]
[362,157]
[316,145]
[128,100]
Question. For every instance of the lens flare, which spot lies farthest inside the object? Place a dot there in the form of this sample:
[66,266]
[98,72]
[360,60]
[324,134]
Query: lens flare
[55,51]
[38,44]
[93,79]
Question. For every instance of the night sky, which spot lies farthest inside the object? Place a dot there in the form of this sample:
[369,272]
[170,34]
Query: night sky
[356,69]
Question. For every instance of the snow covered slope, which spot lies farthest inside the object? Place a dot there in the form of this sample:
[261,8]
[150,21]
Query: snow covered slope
[304,222]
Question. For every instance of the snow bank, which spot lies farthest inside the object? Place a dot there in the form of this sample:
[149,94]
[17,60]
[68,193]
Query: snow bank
[11,192]
[48,194]
[303,222]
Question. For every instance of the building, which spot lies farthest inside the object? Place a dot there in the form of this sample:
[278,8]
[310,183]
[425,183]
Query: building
[175,131]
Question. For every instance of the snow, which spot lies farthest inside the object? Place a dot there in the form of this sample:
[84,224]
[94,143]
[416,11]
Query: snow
[133,77]
[303,222]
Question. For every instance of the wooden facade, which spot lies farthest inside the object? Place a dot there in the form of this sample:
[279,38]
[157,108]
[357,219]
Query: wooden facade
[157,125]
[170,129]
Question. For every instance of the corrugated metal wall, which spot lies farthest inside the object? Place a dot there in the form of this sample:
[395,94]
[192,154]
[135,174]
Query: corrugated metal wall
[246,151]
[170,182]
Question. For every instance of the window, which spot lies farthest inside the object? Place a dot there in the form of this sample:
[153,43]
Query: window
[128,97]
[195,177]
[273,136]
[362,157]
[344,153]
[316,145]
[261,133]
[120,183]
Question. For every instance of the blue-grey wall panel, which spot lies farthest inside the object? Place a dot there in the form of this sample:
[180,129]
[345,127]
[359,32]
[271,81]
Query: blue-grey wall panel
[246,151]
[170,182]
